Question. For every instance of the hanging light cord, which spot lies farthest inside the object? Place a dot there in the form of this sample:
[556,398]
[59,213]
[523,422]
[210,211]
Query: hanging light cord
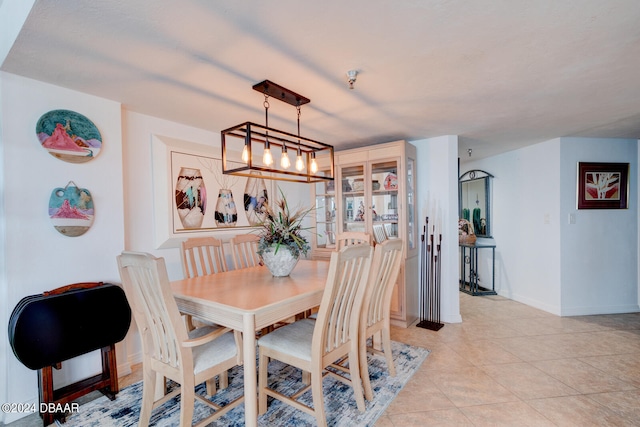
[299,161]
[298,108]
[266,110]
[267,159]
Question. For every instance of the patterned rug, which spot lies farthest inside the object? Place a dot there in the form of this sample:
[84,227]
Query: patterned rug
[339,401]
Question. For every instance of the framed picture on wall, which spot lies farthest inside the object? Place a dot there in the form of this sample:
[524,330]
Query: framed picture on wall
[603,185]
[193,198]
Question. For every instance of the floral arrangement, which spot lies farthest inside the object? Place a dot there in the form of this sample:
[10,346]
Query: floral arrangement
[282,228]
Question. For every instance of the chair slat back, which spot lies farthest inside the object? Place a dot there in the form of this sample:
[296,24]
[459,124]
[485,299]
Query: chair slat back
[387,259]
[202,256]
[244,248]
[388,231]
[146,284]
[349,238]
[339,311]
[378,233]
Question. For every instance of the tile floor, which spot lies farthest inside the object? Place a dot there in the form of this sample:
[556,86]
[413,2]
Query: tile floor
[511,365]
[508,364]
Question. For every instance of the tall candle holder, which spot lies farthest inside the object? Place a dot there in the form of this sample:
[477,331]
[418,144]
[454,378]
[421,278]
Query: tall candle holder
[430,273]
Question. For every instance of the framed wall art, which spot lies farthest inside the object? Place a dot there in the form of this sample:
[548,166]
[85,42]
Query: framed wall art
[603,185]
[192,197]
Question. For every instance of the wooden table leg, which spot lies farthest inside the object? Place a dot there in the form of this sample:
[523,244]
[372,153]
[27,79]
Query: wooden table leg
[250,373]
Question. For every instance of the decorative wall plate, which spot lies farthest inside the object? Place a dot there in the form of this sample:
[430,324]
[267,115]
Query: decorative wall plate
[71,210]
[69,136]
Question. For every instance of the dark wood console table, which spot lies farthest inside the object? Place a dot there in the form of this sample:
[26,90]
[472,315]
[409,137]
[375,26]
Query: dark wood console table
[469,269]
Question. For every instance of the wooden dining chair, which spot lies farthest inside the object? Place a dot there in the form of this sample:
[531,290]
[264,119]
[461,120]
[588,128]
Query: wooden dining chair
[202,256]
[349,238]
[314,345]
[244,249]
[376,309]
[169,349]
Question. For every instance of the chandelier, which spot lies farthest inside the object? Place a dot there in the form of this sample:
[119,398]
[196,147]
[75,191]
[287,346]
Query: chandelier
[251,150]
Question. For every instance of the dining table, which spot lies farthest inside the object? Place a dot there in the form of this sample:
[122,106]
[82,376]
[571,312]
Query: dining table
[248,300]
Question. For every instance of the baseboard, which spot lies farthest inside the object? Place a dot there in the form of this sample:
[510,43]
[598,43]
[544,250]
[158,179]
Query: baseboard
[591,311]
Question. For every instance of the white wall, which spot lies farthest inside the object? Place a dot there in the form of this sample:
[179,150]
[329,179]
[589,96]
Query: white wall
[437,196]
[525,224]
[543,261]
[600,251]
[36,257]
[4,291]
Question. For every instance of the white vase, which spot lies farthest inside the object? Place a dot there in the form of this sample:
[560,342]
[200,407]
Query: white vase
[280,264]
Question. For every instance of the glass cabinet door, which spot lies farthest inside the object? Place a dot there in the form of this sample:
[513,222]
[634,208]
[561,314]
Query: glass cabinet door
[353,199]
[384,199]
[411,221]
[325,214]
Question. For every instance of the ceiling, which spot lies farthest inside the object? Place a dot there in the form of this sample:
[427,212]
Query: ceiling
[500,74]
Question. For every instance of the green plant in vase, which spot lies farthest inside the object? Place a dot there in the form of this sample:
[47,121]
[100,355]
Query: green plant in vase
[281,236]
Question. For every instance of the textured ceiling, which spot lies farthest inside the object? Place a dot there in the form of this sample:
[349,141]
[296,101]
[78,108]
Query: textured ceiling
[501,74]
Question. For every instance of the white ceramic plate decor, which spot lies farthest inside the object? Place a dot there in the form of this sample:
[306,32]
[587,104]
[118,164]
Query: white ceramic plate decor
[69,136]
[71,210]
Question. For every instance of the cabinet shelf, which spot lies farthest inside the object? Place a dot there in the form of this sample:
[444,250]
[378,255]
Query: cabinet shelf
[364,172]
[385,192]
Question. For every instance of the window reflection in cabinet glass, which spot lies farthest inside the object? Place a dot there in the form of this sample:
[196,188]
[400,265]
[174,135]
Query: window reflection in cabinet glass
[411,231]
[353,202]
[384,196]
[325,213]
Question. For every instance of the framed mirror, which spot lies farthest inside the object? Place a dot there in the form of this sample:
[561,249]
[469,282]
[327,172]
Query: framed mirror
[474,200]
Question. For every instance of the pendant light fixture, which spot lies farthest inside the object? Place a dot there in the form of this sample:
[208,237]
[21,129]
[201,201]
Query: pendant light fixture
[314,159]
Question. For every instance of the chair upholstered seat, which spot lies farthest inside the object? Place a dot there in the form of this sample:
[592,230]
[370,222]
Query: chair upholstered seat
[214,352]
[295,338]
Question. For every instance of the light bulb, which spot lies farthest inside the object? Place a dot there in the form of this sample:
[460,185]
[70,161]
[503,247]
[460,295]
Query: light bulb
[299,162]
[284,159]
[245,154]
[267,158]
[313,166]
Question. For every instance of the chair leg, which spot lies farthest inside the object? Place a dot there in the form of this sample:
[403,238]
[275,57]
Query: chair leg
[386,344]
[148,395]
[160,386]
[211,386]
[318,398]
[224,380]
[354,372]
[187,400]
[364,368]
[263,365]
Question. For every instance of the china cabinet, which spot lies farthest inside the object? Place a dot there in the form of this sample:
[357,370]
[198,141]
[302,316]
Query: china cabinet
[374,190]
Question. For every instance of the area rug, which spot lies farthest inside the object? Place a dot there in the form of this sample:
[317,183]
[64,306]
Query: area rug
[339,401]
